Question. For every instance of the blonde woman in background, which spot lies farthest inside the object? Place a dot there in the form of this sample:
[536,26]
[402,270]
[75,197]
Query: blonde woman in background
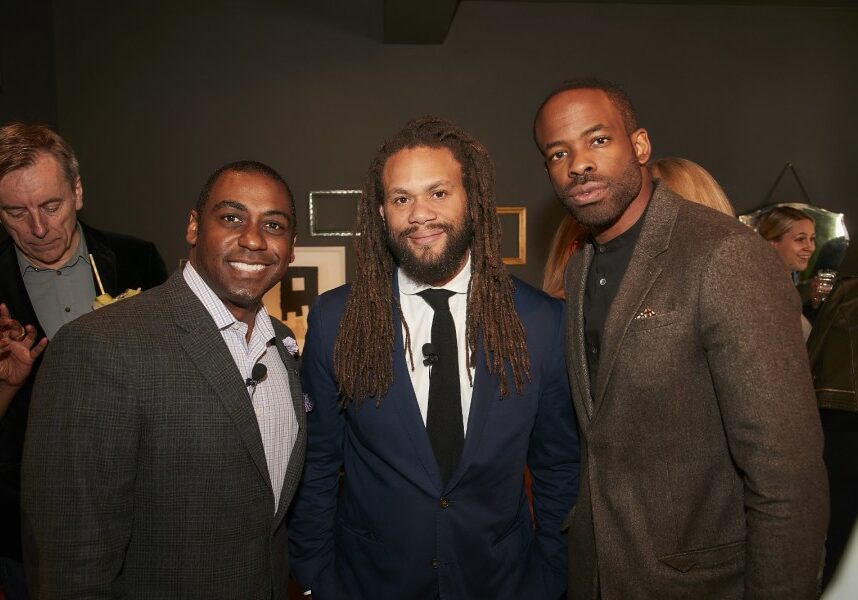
[568,237]
[692,182]
[792,232]
[684,177]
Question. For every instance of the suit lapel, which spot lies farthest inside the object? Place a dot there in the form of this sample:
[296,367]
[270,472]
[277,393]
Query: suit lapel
[207,350]
[402,395]
[576,355]
[14,293]
[641,273]
[296,458]
[486,391]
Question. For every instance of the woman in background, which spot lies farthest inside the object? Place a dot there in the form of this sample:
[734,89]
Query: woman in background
[692,182]
[684,177]
[568,237]
[792,232]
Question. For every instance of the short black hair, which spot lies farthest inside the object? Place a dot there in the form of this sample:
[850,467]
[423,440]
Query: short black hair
[245,166]
[617,95]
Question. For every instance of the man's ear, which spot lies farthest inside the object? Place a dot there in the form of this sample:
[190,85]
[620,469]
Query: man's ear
[78,194]
[193,229]
[642,148]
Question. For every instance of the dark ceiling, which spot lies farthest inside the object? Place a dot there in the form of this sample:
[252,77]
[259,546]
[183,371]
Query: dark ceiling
[428,21]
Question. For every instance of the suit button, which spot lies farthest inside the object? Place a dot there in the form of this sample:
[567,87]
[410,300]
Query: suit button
[435,563]
[444,503]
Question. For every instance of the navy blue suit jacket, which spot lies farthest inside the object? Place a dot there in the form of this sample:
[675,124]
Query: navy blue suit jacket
[395,530]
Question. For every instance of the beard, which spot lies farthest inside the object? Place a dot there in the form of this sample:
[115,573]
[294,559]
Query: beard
[421,265]
[620,193]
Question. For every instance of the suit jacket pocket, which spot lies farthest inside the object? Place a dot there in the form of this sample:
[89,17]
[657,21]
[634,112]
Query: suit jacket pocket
[645,323]
[707,557]
[359,534]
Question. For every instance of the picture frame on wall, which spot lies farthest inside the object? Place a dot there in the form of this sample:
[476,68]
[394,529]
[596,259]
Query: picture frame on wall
[513,220]
[333,212]
[315,270]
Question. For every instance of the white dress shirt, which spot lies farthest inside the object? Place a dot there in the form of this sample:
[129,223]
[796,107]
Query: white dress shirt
[271,397]
[418,314]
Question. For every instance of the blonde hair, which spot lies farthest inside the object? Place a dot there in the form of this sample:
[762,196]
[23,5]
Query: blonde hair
[775,223]
[692,182]
[567,238]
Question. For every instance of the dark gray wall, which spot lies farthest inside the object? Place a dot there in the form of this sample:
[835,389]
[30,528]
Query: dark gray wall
[27,75]
[154,95]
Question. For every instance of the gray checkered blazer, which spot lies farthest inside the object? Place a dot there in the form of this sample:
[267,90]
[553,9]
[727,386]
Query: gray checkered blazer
[144,474]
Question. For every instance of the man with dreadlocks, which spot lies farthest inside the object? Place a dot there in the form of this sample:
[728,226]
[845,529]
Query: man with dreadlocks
[433,409]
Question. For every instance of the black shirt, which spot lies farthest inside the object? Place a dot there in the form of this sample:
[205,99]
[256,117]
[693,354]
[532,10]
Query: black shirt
[606,272]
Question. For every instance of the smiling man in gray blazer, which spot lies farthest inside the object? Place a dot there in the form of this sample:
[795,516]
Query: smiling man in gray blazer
[702,472]
[161,457]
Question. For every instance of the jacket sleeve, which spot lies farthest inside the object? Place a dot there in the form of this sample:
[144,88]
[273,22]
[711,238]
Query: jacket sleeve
[311,524]
[79,468]
[759,366]
[554,462]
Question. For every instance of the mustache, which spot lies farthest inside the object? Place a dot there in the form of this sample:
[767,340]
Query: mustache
[446,227]
[576,180]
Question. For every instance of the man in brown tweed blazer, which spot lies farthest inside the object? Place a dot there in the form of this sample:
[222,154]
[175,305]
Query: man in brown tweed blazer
[702,472]
[159,460]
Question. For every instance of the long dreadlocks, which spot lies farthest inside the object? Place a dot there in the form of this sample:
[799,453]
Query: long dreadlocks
[363,352]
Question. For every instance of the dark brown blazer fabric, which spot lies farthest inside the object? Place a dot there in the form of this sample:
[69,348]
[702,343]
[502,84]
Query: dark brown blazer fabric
[702,473]
[144,474]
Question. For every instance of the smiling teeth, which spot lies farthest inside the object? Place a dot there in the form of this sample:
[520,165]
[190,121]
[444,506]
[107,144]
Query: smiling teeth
[246,267]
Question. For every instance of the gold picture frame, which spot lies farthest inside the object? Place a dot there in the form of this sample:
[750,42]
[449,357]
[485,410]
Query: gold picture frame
[520,229]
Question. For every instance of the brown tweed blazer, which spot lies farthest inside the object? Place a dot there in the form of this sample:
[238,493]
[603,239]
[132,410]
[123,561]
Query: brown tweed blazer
[144,474]
[701,472]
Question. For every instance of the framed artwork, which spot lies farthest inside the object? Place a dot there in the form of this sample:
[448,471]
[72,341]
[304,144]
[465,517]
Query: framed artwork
[316,270]
[333,212]
[513,221]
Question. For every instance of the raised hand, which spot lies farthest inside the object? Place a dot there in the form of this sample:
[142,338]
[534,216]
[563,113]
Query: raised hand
[18,349]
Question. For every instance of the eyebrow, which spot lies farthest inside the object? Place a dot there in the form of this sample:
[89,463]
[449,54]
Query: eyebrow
[230,204]
[39,205]
[236,205]
[429,188]
[585,133]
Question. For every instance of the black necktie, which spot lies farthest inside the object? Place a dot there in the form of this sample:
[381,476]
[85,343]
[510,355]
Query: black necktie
[444,415]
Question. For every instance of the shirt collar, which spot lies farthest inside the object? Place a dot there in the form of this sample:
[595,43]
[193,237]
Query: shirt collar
[217,309]
[459,283]
[25,265]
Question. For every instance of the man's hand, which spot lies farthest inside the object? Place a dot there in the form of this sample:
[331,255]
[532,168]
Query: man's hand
[17,352]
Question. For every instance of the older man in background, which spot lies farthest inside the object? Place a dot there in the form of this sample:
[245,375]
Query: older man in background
[46,280]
